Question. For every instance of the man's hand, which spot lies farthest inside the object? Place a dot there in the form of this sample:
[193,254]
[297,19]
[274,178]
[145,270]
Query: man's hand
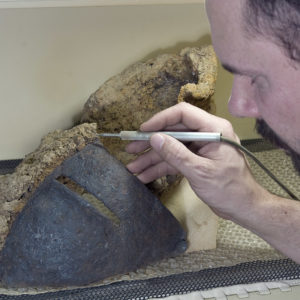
[217,172]
[219,175]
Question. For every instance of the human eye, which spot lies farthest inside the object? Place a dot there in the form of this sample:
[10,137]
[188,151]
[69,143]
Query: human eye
[260,82]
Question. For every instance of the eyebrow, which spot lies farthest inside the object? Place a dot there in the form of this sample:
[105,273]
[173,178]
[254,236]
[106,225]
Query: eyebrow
[248,73]
[237,71]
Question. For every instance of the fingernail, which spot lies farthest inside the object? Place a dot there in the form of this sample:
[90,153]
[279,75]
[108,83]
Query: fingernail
[157,141]
[130,167]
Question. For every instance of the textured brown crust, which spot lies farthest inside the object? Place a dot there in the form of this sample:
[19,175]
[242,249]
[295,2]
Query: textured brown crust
[55,147]
[130,98]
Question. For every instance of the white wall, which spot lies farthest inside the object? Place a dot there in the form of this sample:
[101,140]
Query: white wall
[81,3]
[52,59]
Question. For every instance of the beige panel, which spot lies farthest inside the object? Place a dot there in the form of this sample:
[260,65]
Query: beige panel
[52,59]
[76,3]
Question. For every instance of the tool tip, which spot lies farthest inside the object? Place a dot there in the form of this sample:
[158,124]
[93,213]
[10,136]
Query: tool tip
[105,134]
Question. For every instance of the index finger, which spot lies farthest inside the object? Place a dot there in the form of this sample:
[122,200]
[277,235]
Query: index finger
[189,116]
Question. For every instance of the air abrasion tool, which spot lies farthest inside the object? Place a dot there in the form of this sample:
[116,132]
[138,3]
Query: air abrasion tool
[198,137]
[181,136]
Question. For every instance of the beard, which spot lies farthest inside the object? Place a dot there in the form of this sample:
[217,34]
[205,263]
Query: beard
[266,132]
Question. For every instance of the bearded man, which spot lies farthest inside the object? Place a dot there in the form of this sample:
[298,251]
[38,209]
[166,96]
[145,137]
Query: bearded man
[259,42]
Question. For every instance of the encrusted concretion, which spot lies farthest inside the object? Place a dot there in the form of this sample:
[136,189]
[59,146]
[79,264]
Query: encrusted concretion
[54,149]
[130,98]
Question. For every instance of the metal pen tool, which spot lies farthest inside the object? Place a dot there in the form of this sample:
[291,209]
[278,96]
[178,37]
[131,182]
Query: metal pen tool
[196,136]
[181,136]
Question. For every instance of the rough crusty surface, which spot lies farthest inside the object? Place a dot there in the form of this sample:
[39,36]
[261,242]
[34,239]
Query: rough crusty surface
[128,99]
[55,147]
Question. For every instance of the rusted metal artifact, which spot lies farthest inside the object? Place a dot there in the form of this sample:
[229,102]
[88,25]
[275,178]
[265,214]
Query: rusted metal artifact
[89,219]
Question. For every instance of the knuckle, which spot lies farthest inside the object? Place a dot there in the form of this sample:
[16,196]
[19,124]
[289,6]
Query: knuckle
[227,126]
[228,130]
[177,154]
[183,105]
[153,157]
[161,170]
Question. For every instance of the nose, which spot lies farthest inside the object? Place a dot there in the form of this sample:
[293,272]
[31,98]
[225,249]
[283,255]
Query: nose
[242,100]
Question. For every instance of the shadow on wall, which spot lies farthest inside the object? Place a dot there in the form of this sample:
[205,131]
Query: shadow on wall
[244,126]
[202,41]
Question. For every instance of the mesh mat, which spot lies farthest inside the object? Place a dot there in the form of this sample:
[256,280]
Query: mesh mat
[240,258]
[179,284]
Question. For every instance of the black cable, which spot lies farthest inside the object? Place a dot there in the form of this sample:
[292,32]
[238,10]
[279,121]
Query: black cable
[255,159]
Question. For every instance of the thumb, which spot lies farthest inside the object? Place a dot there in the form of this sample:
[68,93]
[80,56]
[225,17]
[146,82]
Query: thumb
[176,154]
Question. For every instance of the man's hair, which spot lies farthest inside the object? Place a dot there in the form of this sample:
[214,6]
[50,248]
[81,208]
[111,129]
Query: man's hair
[278,20]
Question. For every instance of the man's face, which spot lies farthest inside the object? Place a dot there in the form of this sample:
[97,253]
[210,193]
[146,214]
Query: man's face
[266,82]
